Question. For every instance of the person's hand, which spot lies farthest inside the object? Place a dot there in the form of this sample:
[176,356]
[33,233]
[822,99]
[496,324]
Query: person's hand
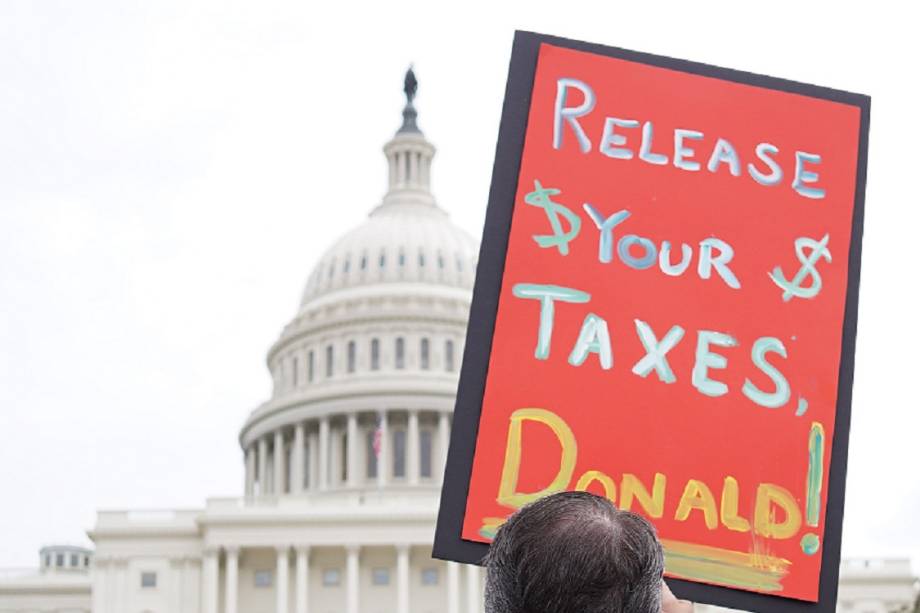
[670,603]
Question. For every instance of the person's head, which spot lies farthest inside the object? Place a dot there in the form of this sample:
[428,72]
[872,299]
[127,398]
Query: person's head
[574,552]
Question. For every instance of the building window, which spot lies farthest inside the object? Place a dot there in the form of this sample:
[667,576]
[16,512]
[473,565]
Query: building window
[375,354]
[59,559]
[380,576]
[399,453]
[440,261]
[402,259]
[372,452]
[294,369]
[429,576]
[352,358]
[74,560]
[363,261]
[425,354]
[263,578]
[148,579]
[421,259]
[310,361]
[383,259]
[47,559]
[425,451]
[347,265]
[331,577]
[86,561]
[329,360]
[449,356]
[400,352]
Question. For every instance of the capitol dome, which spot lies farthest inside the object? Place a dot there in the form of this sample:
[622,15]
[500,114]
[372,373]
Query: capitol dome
[344,461]
[398,243]
[364,376]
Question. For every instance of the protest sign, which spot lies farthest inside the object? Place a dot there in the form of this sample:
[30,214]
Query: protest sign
[665,314]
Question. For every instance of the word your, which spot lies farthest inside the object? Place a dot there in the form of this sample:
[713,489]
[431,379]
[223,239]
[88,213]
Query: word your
[613,144]
[594,337]
[714,253]
[776,513]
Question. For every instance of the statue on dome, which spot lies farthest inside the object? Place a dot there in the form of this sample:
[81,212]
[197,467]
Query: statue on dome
[410,85]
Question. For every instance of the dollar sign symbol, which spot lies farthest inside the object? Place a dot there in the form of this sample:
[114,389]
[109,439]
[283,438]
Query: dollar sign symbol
[794,288]
[540,197]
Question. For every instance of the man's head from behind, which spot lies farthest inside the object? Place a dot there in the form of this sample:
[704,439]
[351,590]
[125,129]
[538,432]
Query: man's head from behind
[574,552]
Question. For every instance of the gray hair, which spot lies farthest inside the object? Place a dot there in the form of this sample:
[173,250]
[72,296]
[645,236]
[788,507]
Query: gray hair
[574,552]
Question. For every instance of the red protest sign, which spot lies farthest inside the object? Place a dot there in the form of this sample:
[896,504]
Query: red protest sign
[676,303]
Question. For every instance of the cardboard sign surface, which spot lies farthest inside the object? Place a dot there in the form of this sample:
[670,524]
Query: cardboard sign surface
[665,315]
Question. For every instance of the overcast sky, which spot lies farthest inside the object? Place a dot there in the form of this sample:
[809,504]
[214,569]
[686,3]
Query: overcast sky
[170,171]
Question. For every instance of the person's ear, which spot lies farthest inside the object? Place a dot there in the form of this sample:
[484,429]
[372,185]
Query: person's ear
[670,603]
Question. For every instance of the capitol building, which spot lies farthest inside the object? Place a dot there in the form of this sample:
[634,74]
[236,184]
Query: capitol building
[343,464]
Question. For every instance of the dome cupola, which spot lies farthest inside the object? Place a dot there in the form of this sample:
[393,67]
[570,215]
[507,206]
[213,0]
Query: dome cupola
[407,238]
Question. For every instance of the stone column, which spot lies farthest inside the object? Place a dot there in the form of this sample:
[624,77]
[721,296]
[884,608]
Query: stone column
[412,448]
[352,451]
[352,578]
[413,168]
[335,458]
[209,579]
[383,458]
[281,580]
[263,466]
[101,584]
[453,587]
[402,579]
[191,585]
[443,440]
[250,470]
[473,595]
[280,462]
[314,460]
[302,580]
[323,452]
[231,579]
[121,580]
[111,596]
[297,476]
[176,585]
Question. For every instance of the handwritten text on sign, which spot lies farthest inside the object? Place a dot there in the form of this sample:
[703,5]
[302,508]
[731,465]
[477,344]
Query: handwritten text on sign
[669,325]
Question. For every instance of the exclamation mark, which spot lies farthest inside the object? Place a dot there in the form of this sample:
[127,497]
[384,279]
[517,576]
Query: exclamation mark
[810,542]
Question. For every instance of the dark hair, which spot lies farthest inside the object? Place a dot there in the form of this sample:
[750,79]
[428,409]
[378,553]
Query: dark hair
[574,552]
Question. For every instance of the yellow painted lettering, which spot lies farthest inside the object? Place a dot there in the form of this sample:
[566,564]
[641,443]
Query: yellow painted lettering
[769,497]
[610,488]
[698,496]
[652,503]
[729,507]
[507,489]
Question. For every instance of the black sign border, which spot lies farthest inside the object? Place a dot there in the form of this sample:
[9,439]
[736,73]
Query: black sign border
[448,544]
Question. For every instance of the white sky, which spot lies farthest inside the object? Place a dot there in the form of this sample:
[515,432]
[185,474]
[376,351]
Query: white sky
[170,171]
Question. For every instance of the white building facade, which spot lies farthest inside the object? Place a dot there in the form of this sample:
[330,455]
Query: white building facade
[342,464]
